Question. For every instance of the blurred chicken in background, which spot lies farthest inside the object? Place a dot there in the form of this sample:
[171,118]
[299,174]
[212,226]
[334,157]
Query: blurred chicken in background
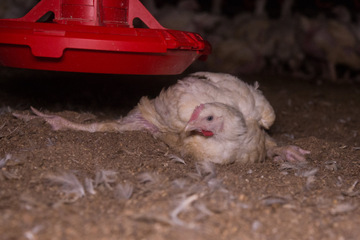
[239,45]
[306,43]
[330,41]
[16,8]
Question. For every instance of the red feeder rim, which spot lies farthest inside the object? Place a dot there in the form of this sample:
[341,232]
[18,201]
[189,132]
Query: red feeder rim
[97,36]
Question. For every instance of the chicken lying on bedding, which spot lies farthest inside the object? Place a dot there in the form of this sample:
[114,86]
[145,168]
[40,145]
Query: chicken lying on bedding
[209,116]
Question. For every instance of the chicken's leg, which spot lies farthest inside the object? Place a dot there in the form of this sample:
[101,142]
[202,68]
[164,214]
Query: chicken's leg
[133,122]
[287,153]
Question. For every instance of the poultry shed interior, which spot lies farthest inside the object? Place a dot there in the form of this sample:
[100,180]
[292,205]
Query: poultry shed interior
[296,60]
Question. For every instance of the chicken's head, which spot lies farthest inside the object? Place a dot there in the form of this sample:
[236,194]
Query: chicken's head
[209,119]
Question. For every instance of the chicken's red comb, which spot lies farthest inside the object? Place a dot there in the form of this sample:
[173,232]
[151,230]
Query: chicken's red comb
[196,112]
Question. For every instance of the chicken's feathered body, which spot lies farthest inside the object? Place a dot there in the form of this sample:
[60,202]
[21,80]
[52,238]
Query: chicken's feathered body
[209,116]
[174,106]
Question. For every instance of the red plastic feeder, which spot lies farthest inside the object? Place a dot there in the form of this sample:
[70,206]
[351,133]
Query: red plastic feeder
[97,36]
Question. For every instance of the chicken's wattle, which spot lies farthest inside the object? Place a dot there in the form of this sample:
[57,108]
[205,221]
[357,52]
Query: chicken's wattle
[207,133]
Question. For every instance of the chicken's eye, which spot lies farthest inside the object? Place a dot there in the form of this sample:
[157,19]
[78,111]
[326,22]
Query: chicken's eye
[210,118]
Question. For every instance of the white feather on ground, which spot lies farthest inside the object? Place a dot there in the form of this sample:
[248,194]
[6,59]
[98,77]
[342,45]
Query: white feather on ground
[105,177]
[147,177]
[307,173]
[5,109]
[204,211]
[31,234]
[331,165]
[216,184]
[206,170]
[302,170]
[343,208]
[89,186]
[181,207]
[70,185]
[292,166]
[8,175]
[4,174]
[271,200]
[50,142]
[180,183]
[309,182]
[350,192]
[123,191]
[4,160]
[176,159]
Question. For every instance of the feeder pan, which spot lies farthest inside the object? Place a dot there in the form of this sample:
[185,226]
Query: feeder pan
[97,36]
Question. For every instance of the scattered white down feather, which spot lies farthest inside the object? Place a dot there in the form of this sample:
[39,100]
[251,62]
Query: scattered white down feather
[301,170]
[4,173]
[181,207]
[180,183]
[4,160]
[207,170]
[216,184]
[105,177]
[70,185]
[343,208]
[148,178]
[123,191]
[5,109]
[89,186]
[176,159]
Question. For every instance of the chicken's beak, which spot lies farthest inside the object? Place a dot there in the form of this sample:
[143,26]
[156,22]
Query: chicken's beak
[190,127]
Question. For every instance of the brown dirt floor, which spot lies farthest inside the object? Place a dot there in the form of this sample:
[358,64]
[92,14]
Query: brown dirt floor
[253,201]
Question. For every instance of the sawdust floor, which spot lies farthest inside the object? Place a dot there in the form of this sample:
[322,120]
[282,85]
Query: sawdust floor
[254,201]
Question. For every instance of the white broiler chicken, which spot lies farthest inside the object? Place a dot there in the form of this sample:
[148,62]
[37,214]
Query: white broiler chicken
[254,29]
[239,45]
[17,8]
[180,17]
[208,116]
[287,51]
[331,41]
[234,56]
